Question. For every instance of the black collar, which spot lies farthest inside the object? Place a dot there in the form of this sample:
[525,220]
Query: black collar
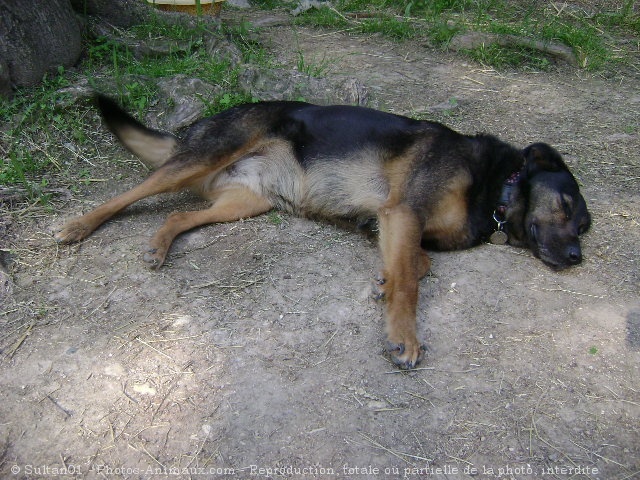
[505,196]
[499,236]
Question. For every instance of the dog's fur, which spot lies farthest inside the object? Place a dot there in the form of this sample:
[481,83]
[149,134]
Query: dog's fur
[426,185]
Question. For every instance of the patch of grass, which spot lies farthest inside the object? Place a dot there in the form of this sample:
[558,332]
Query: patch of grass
[25,146]
[392,27]
[274,217]
[139,95]
[323,17]
[312,68]
[267,4]
[502,57]
[386,24]
[38,132]
[440,20]
[158,29]
[440,32]
[225,101]
[438,7]
[134,76]
[253,52]
[584,39]
[624,18]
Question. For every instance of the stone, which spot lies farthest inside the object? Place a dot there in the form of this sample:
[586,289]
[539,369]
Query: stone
[180,102]
[281,84]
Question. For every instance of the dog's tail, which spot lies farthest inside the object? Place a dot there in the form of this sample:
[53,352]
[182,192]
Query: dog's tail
[151,146]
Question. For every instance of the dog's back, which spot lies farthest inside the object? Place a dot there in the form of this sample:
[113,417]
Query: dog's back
[334,162]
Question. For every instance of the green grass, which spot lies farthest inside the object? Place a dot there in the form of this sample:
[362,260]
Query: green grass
[502,57]
[24,141]
[323,17]
[623,19]
[136,86]
[392,27]
[275,217]
[588,35]
[313,67]
[37,129]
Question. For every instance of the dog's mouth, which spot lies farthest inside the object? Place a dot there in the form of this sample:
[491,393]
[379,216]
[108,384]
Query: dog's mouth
[559,257]
[553,264]
[552,261]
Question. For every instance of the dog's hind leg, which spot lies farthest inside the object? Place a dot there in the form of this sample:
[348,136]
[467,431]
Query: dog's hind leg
[404,263]
[172,176]
[233,203]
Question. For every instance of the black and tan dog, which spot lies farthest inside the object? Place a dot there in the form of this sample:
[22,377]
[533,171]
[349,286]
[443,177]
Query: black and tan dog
[426,185]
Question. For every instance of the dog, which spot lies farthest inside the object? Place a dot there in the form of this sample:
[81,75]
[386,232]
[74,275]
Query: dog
[424,185]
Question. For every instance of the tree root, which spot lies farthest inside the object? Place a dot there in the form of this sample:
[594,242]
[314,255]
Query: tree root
[471,40]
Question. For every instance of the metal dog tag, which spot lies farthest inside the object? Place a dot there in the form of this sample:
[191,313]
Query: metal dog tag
[498,237]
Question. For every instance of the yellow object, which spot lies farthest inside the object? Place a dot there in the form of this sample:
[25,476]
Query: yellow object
[207,7]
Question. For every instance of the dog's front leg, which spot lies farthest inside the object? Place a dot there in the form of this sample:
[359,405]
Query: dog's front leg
[404,264]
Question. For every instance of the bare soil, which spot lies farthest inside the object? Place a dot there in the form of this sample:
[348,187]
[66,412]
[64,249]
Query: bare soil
[256,352]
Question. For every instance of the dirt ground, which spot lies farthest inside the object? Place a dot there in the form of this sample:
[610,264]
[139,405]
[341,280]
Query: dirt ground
[256,352]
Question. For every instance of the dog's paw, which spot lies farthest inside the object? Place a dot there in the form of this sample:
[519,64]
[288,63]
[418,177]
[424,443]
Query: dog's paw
[72,231]
[406,355]
[154,258]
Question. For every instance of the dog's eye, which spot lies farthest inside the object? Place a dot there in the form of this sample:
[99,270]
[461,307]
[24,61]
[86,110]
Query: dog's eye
[566,207]
[583,228]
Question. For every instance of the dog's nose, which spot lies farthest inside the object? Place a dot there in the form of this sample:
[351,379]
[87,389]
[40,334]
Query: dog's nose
[574,254]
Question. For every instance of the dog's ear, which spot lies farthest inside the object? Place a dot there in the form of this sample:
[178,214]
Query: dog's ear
[540,157]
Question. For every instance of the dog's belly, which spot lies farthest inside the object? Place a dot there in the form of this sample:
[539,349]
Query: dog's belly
[330,188]
[353,187]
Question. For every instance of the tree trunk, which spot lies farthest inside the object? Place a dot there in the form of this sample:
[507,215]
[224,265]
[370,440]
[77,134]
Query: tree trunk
[119,13]
[36,37]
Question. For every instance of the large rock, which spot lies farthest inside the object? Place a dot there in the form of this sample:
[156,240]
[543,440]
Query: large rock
[36,37]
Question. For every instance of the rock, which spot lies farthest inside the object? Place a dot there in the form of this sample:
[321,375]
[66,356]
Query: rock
[239,3]
[36,38]
[271,20]
[180,102]
[221,48]
[306,5]
[471,40]
[280,84]
[69,96]
[353,92]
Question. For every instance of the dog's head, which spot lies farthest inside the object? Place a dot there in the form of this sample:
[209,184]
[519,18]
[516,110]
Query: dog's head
[548,213]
